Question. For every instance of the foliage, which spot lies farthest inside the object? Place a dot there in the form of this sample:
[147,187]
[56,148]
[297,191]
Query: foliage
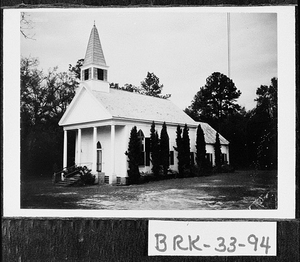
[126,87]
[44,99]
[151,86]
[200,149]
[133,154]
[215,101]
[218,153]
[186,149]
[267,99]
[179,149]
[266,114]
[164,148]
[234,129]
[154,150]
[76,70]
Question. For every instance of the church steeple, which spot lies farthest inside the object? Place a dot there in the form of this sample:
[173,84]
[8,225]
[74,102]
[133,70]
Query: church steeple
[94,69]
[94,53]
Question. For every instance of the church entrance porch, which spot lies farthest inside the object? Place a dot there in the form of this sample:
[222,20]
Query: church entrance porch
[100,148]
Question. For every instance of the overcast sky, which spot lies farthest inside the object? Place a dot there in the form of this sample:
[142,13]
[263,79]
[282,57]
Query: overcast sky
[182,46]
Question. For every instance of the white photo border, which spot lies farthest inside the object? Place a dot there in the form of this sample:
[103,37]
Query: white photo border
[286,125]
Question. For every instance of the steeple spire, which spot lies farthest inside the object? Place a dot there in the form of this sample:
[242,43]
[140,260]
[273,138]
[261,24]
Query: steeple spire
[94,69]
[94,53]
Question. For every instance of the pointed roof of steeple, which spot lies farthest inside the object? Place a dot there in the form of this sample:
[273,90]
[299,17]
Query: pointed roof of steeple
[94,53]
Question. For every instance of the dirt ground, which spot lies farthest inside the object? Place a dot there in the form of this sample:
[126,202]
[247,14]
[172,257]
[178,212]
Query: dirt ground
[234,191]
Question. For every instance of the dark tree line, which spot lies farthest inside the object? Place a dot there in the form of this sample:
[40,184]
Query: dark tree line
[252,134]
[44,99]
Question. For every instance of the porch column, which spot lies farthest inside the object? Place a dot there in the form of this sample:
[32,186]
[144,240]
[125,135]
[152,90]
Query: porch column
[79,147]
[65,156]
[94,164]
[112,150]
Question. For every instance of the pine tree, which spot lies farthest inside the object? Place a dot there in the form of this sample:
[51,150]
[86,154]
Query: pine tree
[218,153]
[179,149]
[133,153]
[164,148]
[200,150]
[154,150]
[186,149]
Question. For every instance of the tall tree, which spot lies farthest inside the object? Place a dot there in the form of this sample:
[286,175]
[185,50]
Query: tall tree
[134,154]
[44,99]
[200,150]
[218,153]
[150,86]
[154,150]
[214,101]
[179,149]
[262,126]
[164,148]
[186,149]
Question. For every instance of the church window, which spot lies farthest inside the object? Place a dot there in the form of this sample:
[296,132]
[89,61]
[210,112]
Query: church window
[87,74]
[147,151]
[100,74]
[209,158]
[171,158]
[99,157]
[141,138]
[192,158]
[224,158]
[144,148]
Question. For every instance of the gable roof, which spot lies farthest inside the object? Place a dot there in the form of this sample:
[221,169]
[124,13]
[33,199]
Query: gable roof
[94,53]
[84,108]
[210,134]
[128,105]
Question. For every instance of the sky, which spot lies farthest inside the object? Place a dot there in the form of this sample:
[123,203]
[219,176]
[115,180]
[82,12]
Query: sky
[181,46]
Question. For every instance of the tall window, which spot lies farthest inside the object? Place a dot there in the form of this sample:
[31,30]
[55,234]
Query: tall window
[100,74]
[141,138]
[224,158]
[209,158]
[86,74]
[99,157]
[171,158]
[145,149]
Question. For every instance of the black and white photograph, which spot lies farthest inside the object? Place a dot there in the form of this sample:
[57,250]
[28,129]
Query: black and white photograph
[151,112]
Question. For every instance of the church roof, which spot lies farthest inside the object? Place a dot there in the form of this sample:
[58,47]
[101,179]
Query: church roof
[94,53]
[123,105]
[128,105]
[210,134]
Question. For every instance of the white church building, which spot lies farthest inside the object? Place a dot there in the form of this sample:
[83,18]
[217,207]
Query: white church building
[103,117]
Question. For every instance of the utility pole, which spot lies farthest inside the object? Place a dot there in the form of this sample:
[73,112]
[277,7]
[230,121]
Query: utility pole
[228,43]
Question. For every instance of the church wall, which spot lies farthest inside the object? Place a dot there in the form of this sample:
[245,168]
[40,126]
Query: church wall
[172,140]
[121,145]
[86,147]
[122,134]
[103,136]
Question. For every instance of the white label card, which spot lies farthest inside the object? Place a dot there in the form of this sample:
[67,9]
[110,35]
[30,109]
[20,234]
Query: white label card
[195,238]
